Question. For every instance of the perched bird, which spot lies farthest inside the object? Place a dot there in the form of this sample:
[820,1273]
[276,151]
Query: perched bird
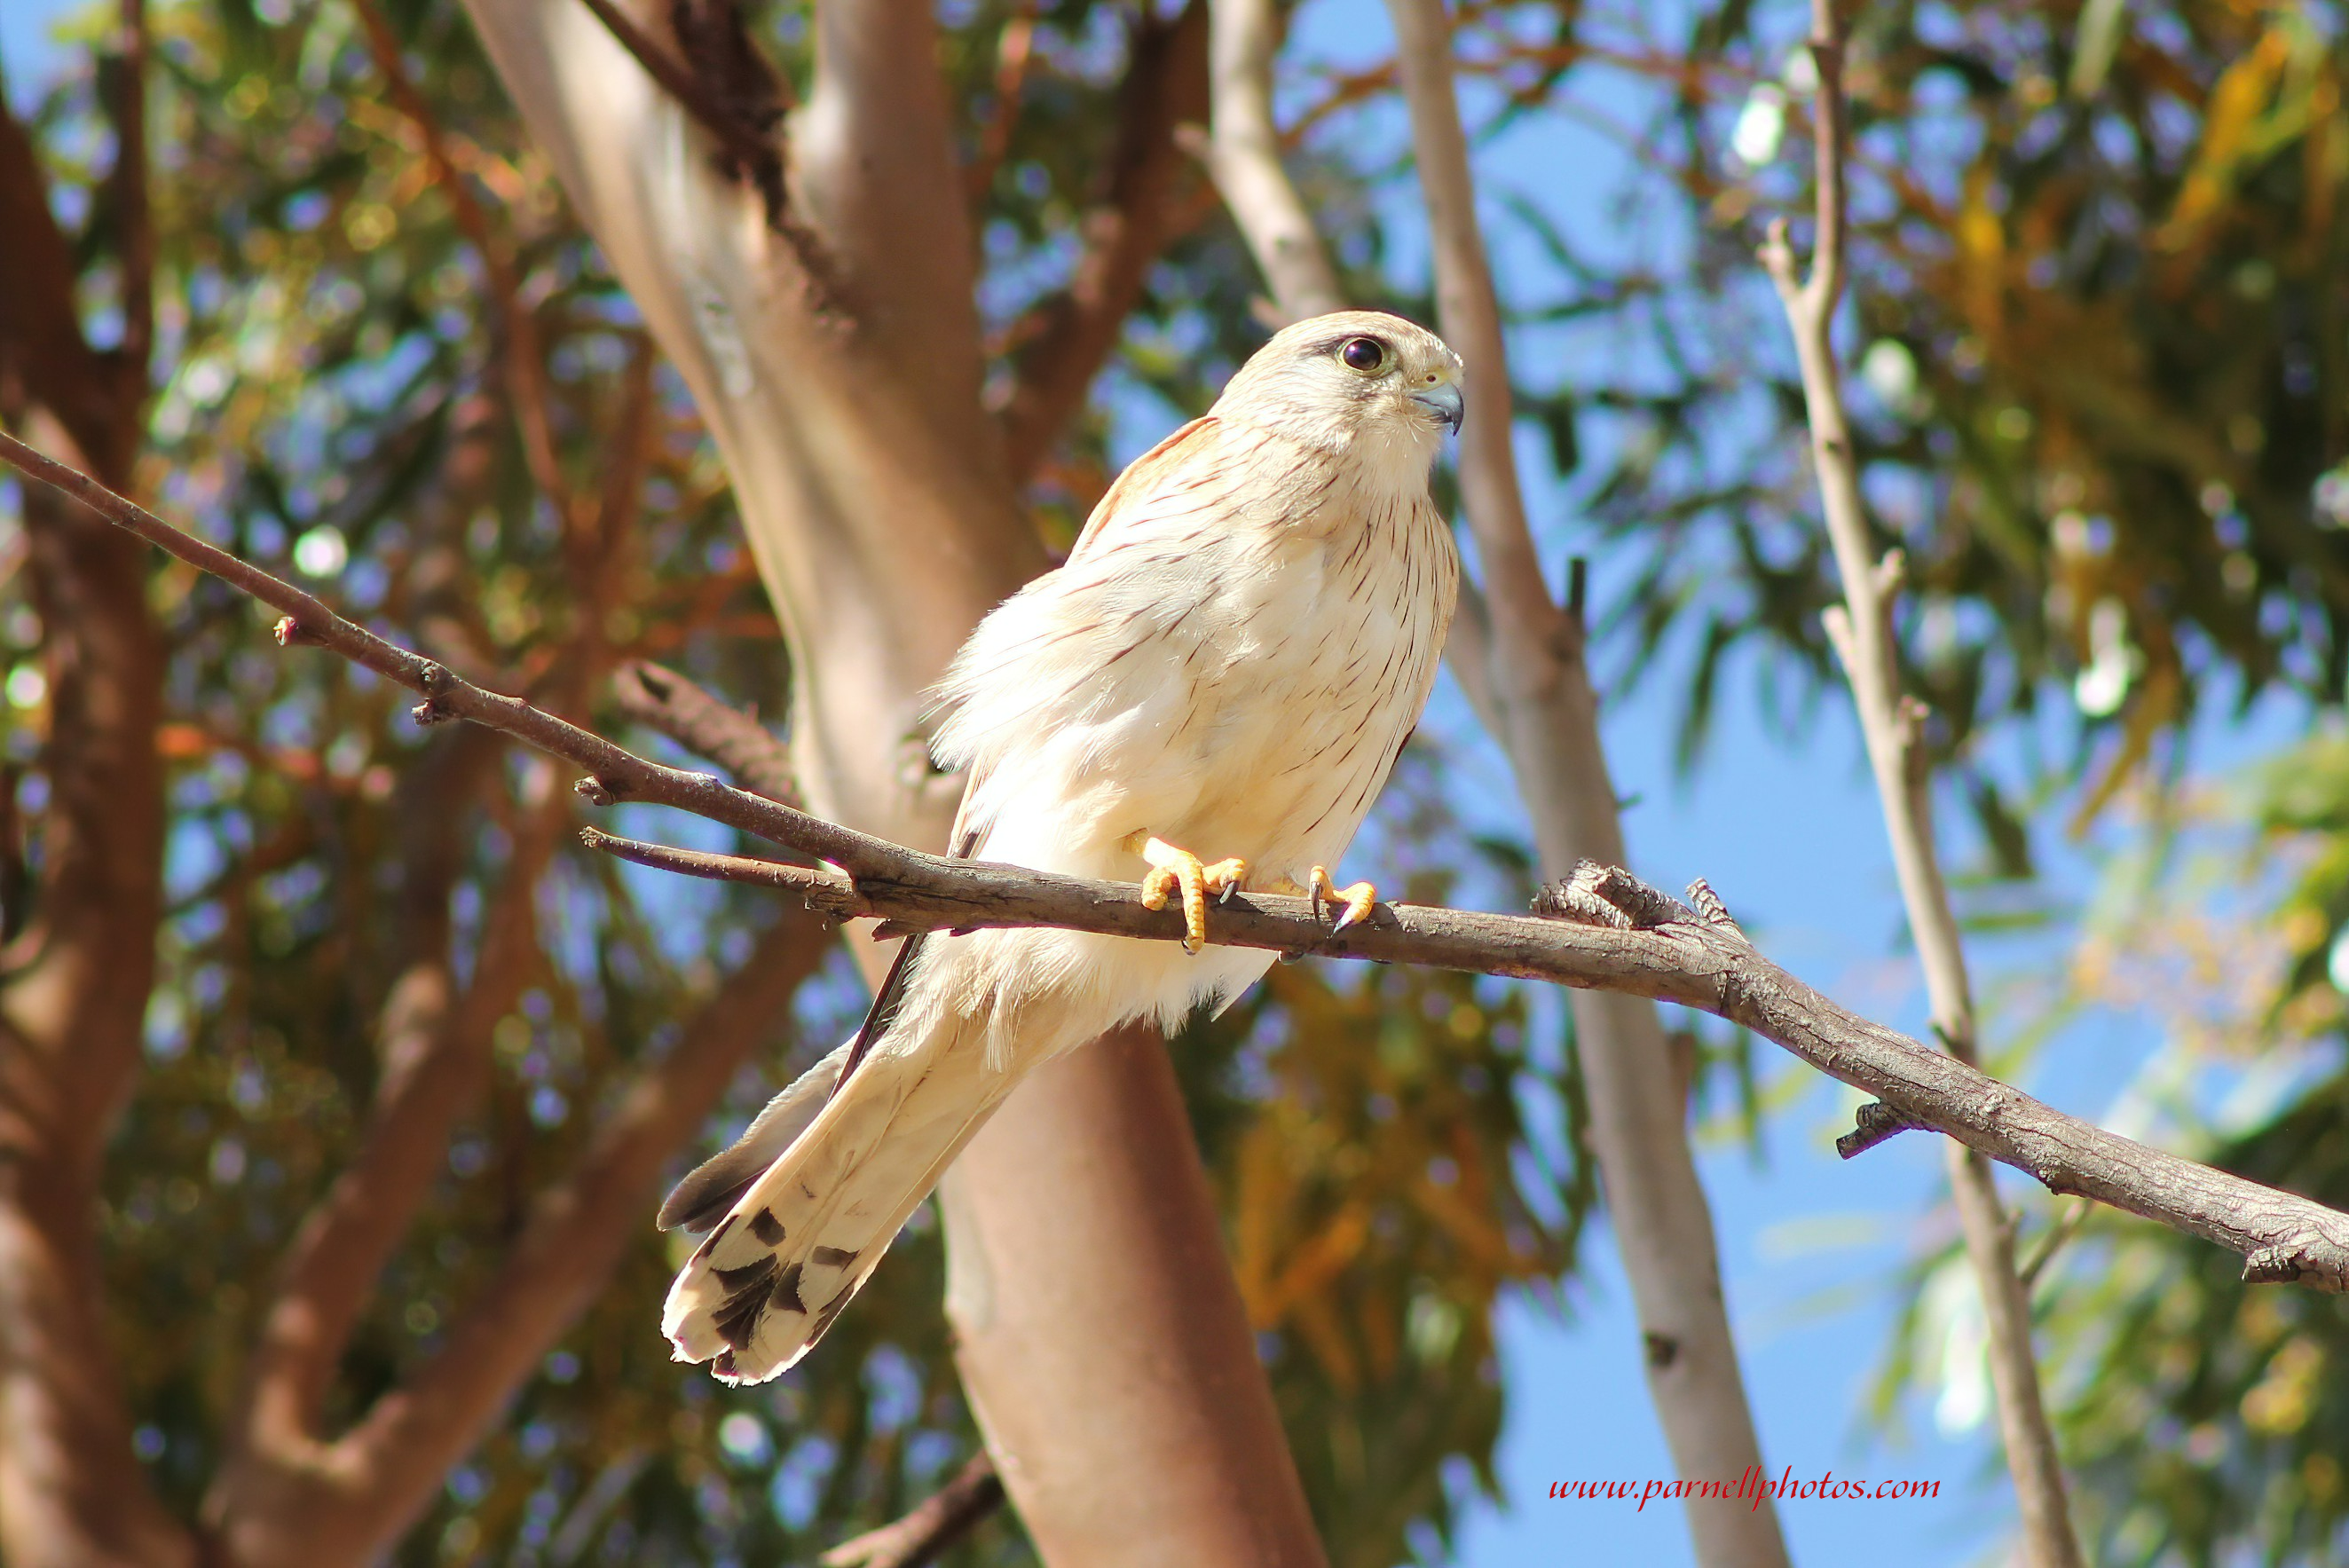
[1226,666]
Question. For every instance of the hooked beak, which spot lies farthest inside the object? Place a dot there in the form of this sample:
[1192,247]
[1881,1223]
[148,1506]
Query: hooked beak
[1444,402]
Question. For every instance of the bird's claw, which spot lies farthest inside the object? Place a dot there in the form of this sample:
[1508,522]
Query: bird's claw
[1174,869]
[1357,900]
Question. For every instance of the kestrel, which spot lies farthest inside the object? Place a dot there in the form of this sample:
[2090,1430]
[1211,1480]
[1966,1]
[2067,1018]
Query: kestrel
[1210,692]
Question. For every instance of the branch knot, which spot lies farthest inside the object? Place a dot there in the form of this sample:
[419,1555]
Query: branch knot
[1610,895]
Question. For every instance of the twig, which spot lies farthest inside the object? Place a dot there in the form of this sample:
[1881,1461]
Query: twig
[2076,1215]
[931,1526]
[613,773]
[667,701]
[1890,724]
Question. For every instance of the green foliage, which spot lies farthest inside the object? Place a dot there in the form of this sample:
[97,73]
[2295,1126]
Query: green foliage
[2100,302]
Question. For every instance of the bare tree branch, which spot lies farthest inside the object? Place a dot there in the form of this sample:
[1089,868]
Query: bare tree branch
[664,700]
[574,1238]
[873,492]
[1607,931]
[1603,930]
[1535,681]
[930,1528]
[1244,154]
[1861,631]
[1061,345]
[614,772]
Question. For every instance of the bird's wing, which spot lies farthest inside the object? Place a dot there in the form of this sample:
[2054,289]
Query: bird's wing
[1138,477]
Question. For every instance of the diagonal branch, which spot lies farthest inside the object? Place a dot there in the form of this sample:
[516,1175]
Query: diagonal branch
[932,1527]
[1244,155]
[1068,336]
[1536,685]
[1890,723]
[614,772]
[1603,930]
[667,701]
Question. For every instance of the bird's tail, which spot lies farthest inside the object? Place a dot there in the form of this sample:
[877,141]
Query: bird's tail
[814,1193]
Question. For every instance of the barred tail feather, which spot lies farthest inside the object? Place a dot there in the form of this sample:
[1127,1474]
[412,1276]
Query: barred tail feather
[803,1237]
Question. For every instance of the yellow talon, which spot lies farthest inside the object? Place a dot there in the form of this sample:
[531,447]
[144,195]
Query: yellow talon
[1171,869]
[1358,900]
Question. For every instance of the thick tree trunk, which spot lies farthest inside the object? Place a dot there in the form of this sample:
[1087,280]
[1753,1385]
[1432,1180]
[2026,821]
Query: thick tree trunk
[836,358]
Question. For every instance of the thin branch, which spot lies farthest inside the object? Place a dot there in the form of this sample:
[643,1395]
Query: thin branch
[522,361]
[1539,690]
[1244,155]
[662,699]
[931,1528]
[1604,930]
[1891,724]
[1070,334]
[613,772]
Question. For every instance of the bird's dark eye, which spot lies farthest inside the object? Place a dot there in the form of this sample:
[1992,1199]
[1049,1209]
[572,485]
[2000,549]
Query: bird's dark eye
[1367,355]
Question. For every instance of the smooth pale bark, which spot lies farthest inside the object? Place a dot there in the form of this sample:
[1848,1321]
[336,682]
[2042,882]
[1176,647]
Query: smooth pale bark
[1533,682]
[1889,722]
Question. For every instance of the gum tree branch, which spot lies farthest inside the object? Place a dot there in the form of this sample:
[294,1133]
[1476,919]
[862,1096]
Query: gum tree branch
[1890,723]
[660,698]
[410,1438]
[930,1528]
[1603,930]
[80,973]
[1600,929]
[1535,683]
[1143,207]
[1244,156]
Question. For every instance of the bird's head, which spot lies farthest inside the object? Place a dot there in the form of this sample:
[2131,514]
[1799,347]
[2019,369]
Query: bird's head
[1358,380]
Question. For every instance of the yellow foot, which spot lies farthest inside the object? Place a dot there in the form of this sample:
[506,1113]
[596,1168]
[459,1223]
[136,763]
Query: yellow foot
[1171,868]
[1357,900]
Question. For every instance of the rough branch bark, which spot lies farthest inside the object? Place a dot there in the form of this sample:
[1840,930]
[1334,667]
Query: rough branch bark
[1601,929]
[1532,680]
[1861,631]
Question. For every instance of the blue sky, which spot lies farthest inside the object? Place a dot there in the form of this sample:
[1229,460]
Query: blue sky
[1789,834]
